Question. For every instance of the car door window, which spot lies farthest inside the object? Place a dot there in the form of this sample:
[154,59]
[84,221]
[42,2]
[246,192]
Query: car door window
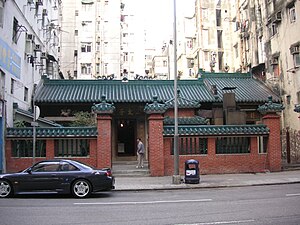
[67,167]
[45,167]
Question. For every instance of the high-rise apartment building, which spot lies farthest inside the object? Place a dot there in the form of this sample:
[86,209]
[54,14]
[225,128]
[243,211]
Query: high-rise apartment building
[29,37]
[101,39]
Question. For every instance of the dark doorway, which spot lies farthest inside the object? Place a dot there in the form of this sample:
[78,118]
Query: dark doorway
[126,137]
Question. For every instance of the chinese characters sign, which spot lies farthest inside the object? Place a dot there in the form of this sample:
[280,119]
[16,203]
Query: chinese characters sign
[9,59]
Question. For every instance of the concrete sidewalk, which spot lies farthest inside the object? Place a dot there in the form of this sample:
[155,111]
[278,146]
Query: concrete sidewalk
[208,181]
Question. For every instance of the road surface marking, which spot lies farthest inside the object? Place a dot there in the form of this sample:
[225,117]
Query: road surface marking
[290,195]
[135,203]
[221,222]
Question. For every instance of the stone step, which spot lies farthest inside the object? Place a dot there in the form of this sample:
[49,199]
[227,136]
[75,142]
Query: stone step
[128,169]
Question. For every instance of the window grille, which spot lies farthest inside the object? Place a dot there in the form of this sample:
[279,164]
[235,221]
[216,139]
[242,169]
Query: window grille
[71,148]
[24,148]
[190,146]
[232,145]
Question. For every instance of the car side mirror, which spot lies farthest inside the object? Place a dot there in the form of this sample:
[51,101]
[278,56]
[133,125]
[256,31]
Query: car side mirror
[29,170]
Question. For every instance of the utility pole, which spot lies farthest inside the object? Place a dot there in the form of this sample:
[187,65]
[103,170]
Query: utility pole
[176,176]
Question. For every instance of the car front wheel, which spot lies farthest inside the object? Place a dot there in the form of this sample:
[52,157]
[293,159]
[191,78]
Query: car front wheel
[81,188]
[5,189]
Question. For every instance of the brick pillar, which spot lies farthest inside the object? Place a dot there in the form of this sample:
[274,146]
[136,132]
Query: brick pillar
[104,147]
[104,112]
[274,144]
[156,145]
[272,120]
[155,111]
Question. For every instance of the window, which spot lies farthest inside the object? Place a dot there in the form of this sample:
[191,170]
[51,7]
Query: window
[23,148]
[15,31]
[295,51]
[292,13]
[86,47]
[87,26]
[273,29]
[98,46]
[71,147]
[87,7]
[218,17]
[86,68]
[76,12]
[98,68]
[206,56]
[67,167]
[76,32]
[125,57]
[46,167]
[232,145]
[190,146]
[25,94]
[236,50]
[12,86]
[262,143]
[275,64]
[165,63]
[1,12]
[296,58]
[105,68]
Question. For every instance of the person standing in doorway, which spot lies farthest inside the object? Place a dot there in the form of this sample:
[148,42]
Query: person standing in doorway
[140,153]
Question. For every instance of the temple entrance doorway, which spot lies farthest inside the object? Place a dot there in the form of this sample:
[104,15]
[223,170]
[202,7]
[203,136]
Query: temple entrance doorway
[126,138]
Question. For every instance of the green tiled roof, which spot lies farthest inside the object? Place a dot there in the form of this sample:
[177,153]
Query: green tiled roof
[116,91]
[58,132]
[246,88]
[212,130]
[90,91]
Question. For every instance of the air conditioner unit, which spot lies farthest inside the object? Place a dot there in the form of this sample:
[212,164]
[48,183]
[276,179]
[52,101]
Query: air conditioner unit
[274,61]
[39,2]
[29,47]
[295,50]
[38,48]
[30,37]
[45,12]
[44,55]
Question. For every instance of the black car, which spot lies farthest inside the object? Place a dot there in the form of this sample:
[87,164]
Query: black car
[57,176]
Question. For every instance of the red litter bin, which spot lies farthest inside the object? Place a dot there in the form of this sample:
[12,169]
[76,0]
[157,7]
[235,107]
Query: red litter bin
[192,172]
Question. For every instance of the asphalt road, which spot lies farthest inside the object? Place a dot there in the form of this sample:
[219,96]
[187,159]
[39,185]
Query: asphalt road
[272,204]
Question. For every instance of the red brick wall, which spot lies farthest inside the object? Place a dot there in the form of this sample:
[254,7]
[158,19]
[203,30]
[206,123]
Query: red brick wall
[218,164]
[18,164]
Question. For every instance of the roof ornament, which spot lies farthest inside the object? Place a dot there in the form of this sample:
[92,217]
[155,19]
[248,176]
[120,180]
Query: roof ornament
[103,107]
[270,107]
[155,107]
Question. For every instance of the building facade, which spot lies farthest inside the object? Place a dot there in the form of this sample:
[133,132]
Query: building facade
[221,124]
[28,50]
